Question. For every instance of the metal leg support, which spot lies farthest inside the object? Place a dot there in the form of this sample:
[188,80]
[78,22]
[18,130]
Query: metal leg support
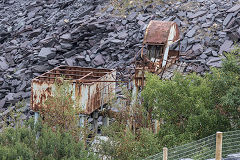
[36,115]
[82,119]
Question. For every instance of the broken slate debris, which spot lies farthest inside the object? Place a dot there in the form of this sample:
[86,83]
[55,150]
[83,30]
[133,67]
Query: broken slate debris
[35,37]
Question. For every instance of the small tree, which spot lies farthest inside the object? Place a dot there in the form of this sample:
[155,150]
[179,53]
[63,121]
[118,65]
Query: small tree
[59,110]
[225,86]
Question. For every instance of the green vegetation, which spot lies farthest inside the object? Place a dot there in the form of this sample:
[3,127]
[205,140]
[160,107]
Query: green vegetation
[21,143]
[56,135]
[123,7]
[58,109]
[126,142]
[194,107]
[190,108]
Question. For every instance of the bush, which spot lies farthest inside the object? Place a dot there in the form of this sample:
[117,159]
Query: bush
[193,107]
[58,109]
[21,143]
[56,136]
[225,86]
[130,136]
[124,144]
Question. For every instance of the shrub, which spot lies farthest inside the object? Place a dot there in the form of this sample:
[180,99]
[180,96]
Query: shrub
[130,135]
[225,86]
[58,109]
[124,144]
[193,107]
[21,143]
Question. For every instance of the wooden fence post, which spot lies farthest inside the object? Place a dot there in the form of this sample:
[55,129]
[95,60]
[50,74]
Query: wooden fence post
[165,153]
[218,155]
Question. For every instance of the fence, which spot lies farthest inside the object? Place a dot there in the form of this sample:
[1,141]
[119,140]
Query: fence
[219,146]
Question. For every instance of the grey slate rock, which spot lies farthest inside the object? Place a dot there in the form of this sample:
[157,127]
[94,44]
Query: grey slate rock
[227,19]
[10,97]
[178,21]
[115,40]
[22,87]
[238,31]
[66,36]
[123,35]
[80,57]
[214,62]
[40,68]
[234,36]
[124,22]
[7,111]
[2,102]
[214,53]
[35,33]
[208,51]
[98,60]
[234,8]
[53,62]
[197,48]
[206,25]
[87,58]
[70,61]
[192,32]
[47,53]
[226,46]
[3,64]
[199,13]
[203,56]
[66,45]
[132,16]
[1,80]
[200,69]
[213,6]
[182,14]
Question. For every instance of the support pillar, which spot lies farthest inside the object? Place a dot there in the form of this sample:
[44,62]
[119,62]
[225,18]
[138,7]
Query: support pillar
[82,119]
[36,116]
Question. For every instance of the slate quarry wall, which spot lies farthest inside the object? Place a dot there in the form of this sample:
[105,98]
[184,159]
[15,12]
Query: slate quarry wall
[39,35]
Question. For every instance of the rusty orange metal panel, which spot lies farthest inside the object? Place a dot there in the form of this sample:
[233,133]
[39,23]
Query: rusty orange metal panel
[90,87]
[157,32]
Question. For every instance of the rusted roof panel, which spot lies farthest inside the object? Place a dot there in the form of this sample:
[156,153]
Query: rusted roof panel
[157,32]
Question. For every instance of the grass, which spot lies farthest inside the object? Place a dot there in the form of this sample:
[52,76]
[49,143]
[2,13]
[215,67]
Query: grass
[122,6]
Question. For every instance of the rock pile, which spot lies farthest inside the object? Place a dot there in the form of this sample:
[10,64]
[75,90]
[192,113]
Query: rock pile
[38,35]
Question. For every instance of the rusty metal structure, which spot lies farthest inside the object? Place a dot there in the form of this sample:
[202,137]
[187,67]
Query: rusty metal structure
[90,88]
[158,38]
[157,56]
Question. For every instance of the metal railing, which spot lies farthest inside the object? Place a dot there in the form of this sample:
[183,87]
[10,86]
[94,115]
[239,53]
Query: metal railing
[216,146]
